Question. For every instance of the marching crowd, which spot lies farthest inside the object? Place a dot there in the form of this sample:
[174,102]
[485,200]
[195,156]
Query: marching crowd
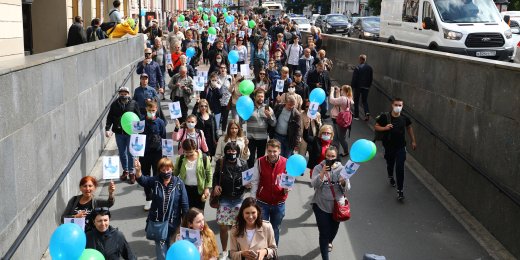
[216,145]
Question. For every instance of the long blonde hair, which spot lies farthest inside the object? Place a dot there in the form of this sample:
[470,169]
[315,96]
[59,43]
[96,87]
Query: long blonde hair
[209,242]
[347,90]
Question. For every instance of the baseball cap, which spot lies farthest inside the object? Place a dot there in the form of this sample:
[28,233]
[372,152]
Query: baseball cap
[297,72]
[125,89]
[144,75]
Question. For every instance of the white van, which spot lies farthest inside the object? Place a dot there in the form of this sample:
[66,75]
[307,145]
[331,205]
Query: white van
[469,27]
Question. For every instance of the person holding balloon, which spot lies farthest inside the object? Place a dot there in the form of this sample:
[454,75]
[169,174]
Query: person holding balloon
[194,219]
[327,175]
[109,241]
[318,78]
[257,126]
[242,52]
[215,64]
[188,41]
[118,108]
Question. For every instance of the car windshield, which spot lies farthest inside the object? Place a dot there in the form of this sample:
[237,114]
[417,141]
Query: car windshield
[301,21]
[337,18]
[467,11]
[371,23]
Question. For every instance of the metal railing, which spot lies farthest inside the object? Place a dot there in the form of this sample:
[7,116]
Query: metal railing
[30,223]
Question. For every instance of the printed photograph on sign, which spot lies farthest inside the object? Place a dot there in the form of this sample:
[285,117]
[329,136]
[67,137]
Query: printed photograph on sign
[247,177]
[138,126]
[110,167]
[286,181]
[137,144]
[241,34]
[191,235]
[202,73]
[169,58]
[212,38]
[78,221]
[313,110]
[244,71]
[167,147]
[279,85]
[233,69]
[199,83]
[175,110]
[349,169]
[249,32]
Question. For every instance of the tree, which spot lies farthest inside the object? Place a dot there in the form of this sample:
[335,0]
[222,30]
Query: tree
[375,6]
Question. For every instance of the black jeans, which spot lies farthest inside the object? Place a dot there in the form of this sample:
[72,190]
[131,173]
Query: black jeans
[150,161]
[363,92]
[395,158]
[194,197]
[184,108]
[327,227]
[224,113]
[258,147]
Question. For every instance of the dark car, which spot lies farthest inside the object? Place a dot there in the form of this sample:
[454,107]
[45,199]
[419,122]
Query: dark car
[366,28]
[332,23]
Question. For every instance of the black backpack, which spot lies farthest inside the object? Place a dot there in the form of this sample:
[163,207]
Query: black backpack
[108,27]
[382,135]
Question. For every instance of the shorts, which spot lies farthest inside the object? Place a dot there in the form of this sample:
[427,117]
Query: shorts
[228,210]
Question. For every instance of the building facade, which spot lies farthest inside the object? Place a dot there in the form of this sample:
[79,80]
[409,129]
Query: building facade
[350,7]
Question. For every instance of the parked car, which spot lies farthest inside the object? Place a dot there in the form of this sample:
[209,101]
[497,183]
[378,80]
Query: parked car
[302,22]
[313,19]
[366,28]
[332,23]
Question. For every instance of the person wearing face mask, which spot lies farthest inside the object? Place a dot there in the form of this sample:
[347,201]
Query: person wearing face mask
[317,145]
[155,131]
[327,175]
[216,63]
[106,239]
[120,106]
[188,130]
[394,125]
[227,181]
[169,201]
[291,91]
[195,220]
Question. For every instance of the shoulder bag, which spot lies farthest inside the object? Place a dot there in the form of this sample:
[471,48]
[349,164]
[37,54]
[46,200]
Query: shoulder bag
[214,200]
[340,212]
[158,230]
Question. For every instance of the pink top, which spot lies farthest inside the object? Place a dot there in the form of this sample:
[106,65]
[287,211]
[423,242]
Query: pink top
[341,102]
[181,136]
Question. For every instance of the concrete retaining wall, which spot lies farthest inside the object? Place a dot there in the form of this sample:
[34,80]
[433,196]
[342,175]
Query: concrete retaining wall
[48,104]
[471,103]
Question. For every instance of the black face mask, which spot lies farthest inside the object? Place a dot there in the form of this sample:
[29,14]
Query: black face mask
[230,157]
[165,175]
[330,162]
[124,99]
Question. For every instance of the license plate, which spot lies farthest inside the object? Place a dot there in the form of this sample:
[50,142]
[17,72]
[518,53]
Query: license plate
[486,53]
[340,30]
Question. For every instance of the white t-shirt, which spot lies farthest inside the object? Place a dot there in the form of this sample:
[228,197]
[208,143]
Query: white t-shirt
[250,234]
[191,173]
[293,53]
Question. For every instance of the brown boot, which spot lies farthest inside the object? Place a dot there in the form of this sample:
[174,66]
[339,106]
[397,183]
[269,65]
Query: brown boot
[132,179]
[124,176]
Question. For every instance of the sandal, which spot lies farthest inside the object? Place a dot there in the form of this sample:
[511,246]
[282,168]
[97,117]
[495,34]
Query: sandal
[330,247]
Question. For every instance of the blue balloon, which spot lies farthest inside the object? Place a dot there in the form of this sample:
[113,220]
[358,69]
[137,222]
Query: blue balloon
[67,242]
[296,165]
[224,10]
[233,56]
[317,95]
[245,107]
[183,250]
[362,150]
[143,12]
[190,52]
[230,19]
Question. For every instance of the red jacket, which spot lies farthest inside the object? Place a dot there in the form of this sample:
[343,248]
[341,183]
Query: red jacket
[268,189]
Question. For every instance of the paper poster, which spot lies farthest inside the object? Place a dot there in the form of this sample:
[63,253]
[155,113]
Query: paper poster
[249,32]
[279,85]
[212,38]
[167,147]
[191,235]
[241,34]
[175,110]
[313,110]
[186,24]
[206,23]
[233,68]
[247,177]
[198,83]
[78,221]
[244,70]
[349,169]
[286,181]
[110,167]
[138,127]
[202,73]
[169,58]
[137,144]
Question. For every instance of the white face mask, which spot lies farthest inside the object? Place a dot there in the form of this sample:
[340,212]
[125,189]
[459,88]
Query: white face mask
[291,90]
[219,60]
[325,137]
[398,109]
[190,125]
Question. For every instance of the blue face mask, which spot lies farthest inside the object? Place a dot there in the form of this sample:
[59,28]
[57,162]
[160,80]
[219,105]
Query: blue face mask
[165,175]
[325,137]
[150,114]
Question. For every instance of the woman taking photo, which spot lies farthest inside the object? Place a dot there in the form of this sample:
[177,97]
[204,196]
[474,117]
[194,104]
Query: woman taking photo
[187,130]
[227,181]
[317,145]
[327,174]
[207,123]
[106,239]
[82,205]
[194,169]
[262,80]
[169,202]
[252,238]
[208,247]
[341,104]
[234,134]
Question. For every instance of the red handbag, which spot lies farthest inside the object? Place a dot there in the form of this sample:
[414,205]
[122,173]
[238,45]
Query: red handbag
[340,212]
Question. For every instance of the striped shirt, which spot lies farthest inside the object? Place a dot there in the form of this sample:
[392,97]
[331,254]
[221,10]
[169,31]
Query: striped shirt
[258,122]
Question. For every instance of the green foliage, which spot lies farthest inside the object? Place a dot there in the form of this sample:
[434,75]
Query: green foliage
[514,5]
[375,6]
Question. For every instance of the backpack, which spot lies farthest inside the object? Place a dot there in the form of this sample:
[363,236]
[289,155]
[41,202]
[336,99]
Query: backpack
[93,36]
[184,135]
[108,26]
[179,163]
[381,135]
[344,118]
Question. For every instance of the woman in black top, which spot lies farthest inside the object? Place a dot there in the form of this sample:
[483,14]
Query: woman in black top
[207,123]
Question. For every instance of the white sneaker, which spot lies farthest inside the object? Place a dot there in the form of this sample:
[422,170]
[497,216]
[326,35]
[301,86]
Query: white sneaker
[147,205]
[219,132]
[223,256]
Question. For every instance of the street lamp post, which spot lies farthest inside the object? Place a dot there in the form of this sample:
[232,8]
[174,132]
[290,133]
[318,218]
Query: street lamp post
[139,15]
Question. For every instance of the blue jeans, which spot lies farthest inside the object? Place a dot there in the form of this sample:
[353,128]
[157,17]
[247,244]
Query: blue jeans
[286,150]
[161,246]
[327,228]
[126,158]
[273,214]
[395,158]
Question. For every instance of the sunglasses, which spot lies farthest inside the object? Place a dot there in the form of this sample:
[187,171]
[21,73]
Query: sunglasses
[102,209]
[262,73]
[146,53]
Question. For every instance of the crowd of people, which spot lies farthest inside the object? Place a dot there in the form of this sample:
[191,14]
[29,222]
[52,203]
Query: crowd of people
[215,146]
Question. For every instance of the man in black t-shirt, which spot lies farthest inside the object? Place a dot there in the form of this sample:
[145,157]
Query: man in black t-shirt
[394,125]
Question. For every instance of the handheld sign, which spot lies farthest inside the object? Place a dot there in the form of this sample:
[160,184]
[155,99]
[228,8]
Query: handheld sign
[191,235]
[78,221]
[233,68]
[199,83]
[349,169]
[137,144]
[279,85]
[138,126]
[110,167]
[286,181]
[249,32]
[175,110]
[241,34]
[202,73]
[167,147]
[169,58]
[313,110]
[212,38]
[247,177]
[244,70]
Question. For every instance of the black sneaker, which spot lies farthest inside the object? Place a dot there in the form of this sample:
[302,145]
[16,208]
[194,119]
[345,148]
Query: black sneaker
[400,195]
[392,181]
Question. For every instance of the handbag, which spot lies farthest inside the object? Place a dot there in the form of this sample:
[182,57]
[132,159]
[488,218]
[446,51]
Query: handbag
[214,200]
[344,118]
[340,212]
